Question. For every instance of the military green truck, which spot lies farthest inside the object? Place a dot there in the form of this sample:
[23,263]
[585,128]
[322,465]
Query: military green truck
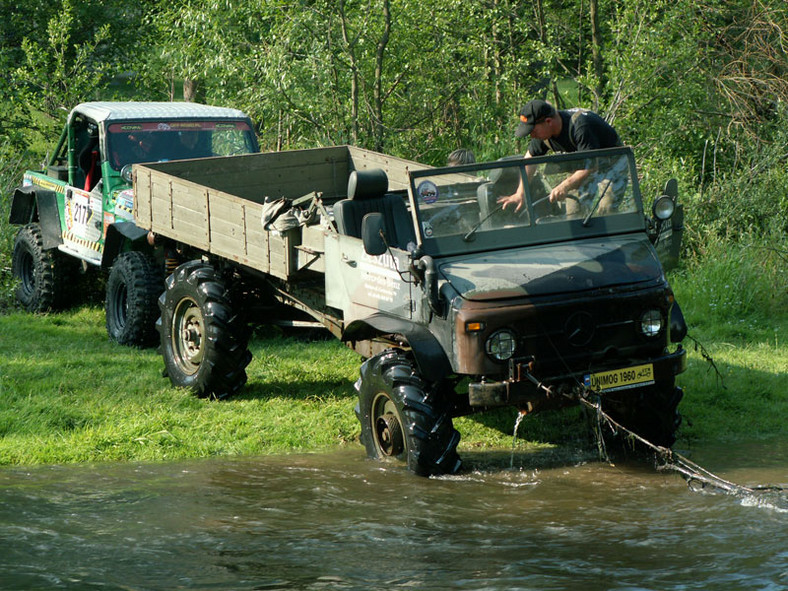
[456,305]
[76,215]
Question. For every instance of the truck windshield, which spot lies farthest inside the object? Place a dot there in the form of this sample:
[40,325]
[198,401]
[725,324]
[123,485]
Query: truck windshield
[137,142]
[458,209]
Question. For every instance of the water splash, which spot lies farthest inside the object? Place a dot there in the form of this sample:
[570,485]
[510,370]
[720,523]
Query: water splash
[772,501]
[517,421]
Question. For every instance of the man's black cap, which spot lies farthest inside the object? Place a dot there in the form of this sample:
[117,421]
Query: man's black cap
[531,114]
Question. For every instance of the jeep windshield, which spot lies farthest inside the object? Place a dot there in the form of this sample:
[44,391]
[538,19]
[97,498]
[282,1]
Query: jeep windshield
[458,208]
[132,142]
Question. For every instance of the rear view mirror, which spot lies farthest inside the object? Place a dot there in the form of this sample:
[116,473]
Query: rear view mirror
[372,234]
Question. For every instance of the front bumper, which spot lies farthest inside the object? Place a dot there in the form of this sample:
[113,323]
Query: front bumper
[526,390]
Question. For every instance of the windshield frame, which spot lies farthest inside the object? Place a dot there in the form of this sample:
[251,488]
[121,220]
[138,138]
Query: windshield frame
[529,233]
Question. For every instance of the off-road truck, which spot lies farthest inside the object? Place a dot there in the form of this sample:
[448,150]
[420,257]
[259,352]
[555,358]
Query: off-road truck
[77,213]
[456,304]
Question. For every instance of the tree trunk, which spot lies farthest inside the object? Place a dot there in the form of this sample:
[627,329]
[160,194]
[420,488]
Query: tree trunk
[596,53]
[191,90]
[378,92]
[350,45]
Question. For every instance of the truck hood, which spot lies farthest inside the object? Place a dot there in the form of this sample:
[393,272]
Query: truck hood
[552,268]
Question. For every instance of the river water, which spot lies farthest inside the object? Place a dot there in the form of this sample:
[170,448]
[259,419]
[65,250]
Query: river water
[335,520]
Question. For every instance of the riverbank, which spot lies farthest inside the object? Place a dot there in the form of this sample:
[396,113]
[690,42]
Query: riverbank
[68,395]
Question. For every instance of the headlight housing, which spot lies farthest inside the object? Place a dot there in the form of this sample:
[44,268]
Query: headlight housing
[125,173]
[663,208]
[651,323]
[501,345]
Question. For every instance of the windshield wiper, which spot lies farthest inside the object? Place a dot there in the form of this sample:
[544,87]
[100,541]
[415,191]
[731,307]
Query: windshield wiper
[595,205]
[469,236]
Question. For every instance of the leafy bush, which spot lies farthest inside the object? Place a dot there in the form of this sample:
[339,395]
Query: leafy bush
[732,281]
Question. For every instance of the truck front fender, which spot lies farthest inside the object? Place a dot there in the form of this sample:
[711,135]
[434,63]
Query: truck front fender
[32,204]
[117,236]
[427,351]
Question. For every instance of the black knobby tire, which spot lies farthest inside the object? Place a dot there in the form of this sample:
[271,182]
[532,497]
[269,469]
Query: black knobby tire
[42,274]
[203,342]
[651,412]
[133,289]
[402,418]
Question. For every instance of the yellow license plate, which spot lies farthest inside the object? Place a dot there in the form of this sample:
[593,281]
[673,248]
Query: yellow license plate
[620,379]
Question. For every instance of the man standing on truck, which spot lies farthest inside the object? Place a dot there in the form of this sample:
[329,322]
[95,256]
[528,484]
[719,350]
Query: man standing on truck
[573,130]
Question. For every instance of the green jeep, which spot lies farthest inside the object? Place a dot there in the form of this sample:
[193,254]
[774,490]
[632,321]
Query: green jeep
[77,214]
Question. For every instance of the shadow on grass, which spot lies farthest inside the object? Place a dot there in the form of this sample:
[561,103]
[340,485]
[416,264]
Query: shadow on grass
[306,390]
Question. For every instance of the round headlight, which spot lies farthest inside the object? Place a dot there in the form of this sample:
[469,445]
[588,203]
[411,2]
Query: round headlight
[125,173]
[651,323]
[501,344]
[663,208]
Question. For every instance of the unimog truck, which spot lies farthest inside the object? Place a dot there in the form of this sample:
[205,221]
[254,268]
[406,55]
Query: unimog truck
[76,215]
[456,304]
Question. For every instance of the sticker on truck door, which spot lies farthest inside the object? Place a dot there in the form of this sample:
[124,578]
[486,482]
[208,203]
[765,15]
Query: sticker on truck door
[84,223]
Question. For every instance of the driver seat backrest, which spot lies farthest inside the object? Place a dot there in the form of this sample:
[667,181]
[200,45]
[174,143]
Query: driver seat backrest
[367,193]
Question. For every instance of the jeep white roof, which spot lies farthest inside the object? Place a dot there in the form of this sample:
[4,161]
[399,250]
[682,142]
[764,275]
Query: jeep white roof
[125,111]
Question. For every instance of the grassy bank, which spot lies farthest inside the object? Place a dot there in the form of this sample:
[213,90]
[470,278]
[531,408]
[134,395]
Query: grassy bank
[69,395]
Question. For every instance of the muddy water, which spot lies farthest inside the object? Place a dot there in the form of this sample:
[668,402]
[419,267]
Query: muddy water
[338,521]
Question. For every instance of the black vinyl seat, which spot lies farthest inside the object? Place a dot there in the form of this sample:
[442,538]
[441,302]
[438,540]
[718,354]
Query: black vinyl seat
[366,193]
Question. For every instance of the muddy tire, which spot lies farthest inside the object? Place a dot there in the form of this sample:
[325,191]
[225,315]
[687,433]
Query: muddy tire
[203,342]
[651,412]
[401,418]
[133,288]
[42,274]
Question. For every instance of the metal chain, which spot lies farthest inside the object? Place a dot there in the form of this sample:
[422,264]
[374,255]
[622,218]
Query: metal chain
[693,473]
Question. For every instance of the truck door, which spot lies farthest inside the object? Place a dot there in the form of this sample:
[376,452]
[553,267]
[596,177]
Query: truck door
[360,284]
[83,201]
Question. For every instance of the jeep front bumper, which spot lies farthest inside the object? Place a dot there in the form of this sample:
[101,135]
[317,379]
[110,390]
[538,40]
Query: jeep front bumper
[526,389]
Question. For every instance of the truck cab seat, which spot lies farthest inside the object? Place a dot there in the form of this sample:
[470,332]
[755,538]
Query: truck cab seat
[367,193]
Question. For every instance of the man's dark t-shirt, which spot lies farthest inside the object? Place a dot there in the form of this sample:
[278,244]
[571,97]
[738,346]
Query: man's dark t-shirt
[582,130]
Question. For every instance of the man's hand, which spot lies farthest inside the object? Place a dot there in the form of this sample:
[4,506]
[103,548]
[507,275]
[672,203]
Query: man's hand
[516,200]
[559,193]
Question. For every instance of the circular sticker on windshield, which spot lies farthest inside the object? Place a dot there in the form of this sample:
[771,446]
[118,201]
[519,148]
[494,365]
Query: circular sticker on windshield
[428,191]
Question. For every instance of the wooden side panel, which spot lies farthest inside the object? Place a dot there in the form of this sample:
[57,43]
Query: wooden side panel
[189,214]
[161,212]
[227,221]
[282,253]
[288,174]
[256,239]
[142,198]
[215,204]
[396,168]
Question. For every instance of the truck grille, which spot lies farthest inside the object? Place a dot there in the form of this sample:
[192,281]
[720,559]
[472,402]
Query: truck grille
[588,334]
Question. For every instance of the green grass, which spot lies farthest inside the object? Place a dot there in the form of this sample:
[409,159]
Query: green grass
[70,395]
[736,304]
[67,394]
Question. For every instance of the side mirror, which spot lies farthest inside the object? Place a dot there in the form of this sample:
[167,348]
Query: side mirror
[372,233]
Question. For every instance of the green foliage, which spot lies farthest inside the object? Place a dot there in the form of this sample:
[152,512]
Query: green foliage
[737,283]
[737,377]
[56,73]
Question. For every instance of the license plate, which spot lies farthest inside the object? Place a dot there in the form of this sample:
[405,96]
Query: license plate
[620,379]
